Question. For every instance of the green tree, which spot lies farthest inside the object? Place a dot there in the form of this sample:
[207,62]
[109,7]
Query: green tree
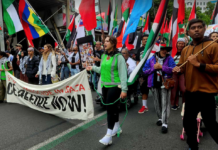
[209,9]
[202,16]
[155,7]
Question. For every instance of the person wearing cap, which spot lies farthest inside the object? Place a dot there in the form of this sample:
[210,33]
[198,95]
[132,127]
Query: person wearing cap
[179,78]
[32,67]
[22,61]
[16,52]
[160,65]
[10,57]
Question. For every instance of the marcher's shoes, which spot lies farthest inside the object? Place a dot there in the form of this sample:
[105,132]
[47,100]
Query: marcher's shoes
[159,123]
[114,132]
[142,110]
[164,129]
[174,107]
[106,140]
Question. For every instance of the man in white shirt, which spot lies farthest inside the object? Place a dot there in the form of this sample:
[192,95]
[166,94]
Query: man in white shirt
[130,63]
[74,61]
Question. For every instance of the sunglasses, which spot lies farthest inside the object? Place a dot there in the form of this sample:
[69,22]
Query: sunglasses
[74,50]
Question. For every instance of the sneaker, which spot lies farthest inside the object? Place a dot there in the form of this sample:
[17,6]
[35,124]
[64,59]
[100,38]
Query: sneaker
[159,123]
[174,107]
[164,129]
[115,132]
[106,140]
[142,110]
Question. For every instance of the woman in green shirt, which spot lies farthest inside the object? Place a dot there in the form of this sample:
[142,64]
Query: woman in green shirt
[113,73]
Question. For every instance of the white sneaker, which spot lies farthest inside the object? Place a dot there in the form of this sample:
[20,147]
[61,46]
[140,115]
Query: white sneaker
[114,132]
[106,140]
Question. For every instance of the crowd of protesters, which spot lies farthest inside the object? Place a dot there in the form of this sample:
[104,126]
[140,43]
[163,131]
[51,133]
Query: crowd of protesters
[196,80]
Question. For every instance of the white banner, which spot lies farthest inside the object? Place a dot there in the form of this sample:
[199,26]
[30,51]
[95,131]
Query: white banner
[70,99]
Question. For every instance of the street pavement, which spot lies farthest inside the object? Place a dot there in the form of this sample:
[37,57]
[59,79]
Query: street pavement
[24,128]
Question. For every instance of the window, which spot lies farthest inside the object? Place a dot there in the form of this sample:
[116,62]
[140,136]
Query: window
[96,9]
[190,3]
[204,3]
[187,4]
[200,3]
[197,3]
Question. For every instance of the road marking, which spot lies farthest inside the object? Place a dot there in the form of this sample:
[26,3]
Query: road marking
[65,135]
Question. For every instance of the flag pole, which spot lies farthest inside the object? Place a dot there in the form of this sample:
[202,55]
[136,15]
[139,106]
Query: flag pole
[43,23]
[53,14]
[19,42]
[200,51]
[102,30]
[2,42]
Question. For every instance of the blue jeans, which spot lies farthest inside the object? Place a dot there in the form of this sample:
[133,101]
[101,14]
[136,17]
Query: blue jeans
[74,71]
[64,73]
[48,81]
[95,79]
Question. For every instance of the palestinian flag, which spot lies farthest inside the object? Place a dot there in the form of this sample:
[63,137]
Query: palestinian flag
[181,30]
[147,27]
[162,28]
[70,28]
[178,17]
[100,17]
[215,15]
[169,31]
[181,11]
[193,12]
[92,33]
[122,27]
[166,34]
[156,27]
[108,19]
[11,17]
[211,19]
[71,32]
[175,27]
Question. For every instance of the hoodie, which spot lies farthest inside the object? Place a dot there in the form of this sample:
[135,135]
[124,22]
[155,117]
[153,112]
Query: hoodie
[205,78]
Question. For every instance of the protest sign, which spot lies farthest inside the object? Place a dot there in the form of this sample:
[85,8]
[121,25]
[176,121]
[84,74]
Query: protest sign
[210,29]
[70,99]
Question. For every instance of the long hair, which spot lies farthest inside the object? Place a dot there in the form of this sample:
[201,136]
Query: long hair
[113,41]
[46,54]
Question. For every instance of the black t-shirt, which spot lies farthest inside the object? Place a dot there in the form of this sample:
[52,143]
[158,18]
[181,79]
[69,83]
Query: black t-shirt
[139,51]
[98,54]
[73,61]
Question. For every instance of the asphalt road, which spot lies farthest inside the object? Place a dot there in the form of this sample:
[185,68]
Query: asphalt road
[23,128]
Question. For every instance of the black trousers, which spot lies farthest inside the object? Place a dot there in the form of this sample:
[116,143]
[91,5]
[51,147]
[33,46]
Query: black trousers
[111,95]
[34,81]
[199,102]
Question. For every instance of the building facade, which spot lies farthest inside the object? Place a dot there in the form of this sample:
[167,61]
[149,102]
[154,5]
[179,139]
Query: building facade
[199,3]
